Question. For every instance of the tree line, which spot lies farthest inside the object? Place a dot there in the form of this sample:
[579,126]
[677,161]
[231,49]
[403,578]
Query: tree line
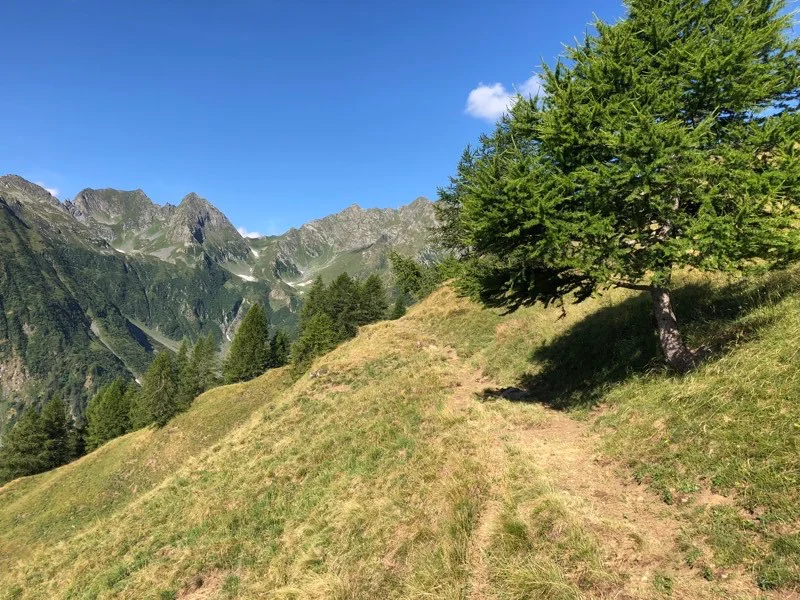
[331,313]
[43,440]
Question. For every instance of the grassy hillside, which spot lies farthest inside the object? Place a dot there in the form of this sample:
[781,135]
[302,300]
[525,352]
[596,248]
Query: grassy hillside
[396,469]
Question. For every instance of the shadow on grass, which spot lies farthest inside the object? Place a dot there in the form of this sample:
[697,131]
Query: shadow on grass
[620,341]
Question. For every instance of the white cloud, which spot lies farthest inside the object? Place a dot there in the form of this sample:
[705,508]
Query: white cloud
[489,102]
[248,234]
[51,190]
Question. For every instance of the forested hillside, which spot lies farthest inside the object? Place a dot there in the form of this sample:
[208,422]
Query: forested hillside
[92,288]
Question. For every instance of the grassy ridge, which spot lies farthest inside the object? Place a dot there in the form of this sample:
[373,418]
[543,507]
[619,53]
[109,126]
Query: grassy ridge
[382,476]
[722,444]
[361,483]
[38,510]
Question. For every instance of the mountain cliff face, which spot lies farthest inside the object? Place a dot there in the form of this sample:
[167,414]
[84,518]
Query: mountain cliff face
[92,287]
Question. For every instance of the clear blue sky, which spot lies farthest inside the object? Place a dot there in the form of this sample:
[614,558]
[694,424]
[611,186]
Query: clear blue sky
[276,111]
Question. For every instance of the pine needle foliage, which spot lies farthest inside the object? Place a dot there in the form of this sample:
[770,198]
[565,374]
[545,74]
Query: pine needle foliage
[24,448]
[666,140]
[159,394]
[108,413]
[249,352]
[333,313]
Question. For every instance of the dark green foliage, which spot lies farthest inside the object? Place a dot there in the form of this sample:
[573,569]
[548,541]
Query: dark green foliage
[399,308]
[140,415]
[415,280]
[317,337]
[347,303]
[342,305]
[56,425]
[333,313]
[108,413]
[279,349]
[314,302]
[651,149]
[76,440]
[204,363]
[39,441]
[197,370]
[160,390]
[188,381]
[24,450]
[373,305]
[250,351]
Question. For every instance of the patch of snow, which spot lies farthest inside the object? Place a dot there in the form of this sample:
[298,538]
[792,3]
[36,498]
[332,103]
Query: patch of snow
[255,252]
[246,277]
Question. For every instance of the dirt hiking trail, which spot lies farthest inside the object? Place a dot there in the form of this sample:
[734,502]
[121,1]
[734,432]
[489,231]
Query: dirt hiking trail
[638,532]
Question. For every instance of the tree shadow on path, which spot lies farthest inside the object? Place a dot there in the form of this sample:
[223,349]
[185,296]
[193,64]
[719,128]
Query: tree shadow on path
[618,342]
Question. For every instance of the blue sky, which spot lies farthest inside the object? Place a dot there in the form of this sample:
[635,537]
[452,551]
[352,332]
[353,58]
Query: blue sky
[278,112]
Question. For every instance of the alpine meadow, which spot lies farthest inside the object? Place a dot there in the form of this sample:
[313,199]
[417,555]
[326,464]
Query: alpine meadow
[572,375]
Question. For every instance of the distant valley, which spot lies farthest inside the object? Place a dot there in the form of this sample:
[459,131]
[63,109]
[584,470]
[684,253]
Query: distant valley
[91,287]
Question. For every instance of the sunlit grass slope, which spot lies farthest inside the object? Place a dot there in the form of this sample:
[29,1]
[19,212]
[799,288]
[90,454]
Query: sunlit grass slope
[375,475]
[38,510]
[358,483]
[721,444]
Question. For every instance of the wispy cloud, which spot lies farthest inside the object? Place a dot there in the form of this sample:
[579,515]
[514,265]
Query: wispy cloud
[248,234]
[51,190]
[489,102]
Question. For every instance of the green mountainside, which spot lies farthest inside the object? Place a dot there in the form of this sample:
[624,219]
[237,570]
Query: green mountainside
[408,463]
[90,288]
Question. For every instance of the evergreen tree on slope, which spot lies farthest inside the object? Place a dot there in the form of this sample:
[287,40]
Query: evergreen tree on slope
[24,450]
[669,140]
[249,352]
[373,303]
[108,413]
[160,389]
[56,425]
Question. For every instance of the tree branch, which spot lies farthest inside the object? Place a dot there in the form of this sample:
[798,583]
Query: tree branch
[640,287]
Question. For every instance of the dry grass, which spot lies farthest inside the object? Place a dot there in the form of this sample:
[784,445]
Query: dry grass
[387,477]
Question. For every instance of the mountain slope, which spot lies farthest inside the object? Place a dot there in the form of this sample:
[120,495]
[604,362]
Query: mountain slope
[92,287]
[382,474]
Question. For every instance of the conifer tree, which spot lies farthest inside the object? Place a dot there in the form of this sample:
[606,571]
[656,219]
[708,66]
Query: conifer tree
[279,349]
[108,413]
[342,306]
[24,451]
[188,378]
[315,301]
[668,140]
[56,424]
[317,337]
[373,303]
[76,440]
[414,279]
[249,352]
[140,413]
[399,308]
[160,389]
[204,357]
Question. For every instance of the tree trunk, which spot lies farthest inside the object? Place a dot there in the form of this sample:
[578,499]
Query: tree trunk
[677,355]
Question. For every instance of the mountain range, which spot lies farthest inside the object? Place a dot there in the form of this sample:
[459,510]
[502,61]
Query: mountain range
[91,287]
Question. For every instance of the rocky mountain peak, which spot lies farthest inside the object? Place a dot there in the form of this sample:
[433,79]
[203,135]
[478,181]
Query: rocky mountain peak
[22,190]
[197,221]
[129,209]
